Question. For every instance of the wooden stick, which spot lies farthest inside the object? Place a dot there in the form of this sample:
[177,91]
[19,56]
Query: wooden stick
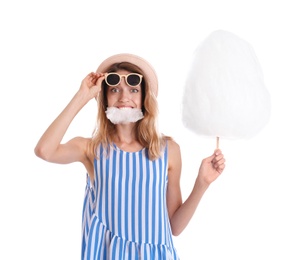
[217,142]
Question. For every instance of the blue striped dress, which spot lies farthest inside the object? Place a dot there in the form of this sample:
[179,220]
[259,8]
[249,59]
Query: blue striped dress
[124,211]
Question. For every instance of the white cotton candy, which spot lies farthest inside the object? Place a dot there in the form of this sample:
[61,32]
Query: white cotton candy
[224,94]
[124,115]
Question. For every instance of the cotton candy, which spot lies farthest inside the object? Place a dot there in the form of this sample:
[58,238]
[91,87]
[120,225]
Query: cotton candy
[123,115]
[224,94]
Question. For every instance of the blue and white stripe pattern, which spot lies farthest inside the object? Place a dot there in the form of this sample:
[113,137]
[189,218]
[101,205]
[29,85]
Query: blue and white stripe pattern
[124,214]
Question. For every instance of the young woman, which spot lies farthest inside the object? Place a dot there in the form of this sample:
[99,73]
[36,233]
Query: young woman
[133,204]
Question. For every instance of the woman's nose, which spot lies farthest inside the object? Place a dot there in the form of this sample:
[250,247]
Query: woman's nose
[124,95]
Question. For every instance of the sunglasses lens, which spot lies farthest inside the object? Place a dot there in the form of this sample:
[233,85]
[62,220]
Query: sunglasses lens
[133,79]
[112,79]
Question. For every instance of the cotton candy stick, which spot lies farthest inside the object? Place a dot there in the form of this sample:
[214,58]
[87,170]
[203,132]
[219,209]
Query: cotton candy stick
[224,94]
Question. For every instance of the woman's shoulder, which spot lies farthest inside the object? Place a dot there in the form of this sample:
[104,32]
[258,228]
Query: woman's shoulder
[171,143]
[174,154]
[81,141]
[82,144]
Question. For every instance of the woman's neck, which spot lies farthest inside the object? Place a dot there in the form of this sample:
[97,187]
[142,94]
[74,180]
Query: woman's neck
[125,138]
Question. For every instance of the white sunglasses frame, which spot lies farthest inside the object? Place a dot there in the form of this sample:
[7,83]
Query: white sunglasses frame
[120,76]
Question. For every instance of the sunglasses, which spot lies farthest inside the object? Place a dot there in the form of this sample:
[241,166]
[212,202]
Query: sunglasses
[132,79]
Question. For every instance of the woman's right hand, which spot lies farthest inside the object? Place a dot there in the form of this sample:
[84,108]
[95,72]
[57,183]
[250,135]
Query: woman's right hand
[91,84]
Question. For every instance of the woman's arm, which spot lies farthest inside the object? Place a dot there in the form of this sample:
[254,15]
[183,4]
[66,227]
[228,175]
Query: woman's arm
[49,146]
[181,213]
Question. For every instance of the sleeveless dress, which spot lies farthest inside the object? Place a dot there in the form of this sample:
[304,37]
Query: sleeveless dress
[124,212]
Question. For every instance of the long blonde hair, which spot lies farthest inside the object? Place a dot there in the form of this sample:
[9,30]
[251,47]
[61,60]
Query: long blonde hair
[146,129]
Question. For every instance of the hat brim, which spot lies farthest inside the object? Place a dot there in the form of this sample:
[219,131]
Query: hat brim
[149,72]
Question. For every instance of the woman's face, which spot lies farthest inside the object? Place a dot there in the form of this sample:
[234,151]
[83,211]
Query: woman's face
[124,96]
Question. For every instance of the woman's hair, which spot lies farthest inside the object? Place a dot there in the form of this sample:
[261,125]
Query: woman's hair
[146,128]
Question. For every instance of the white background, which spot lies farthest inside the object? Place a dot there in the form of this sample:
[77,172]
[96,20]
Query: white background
[255,210]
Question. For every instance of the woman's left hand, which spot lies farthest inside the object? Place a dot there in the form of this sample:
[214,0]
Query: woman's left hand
[212,167]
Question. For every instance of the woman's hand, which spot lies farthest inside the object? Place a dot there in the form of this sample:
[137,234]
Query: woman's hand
[91,84]
[211,167]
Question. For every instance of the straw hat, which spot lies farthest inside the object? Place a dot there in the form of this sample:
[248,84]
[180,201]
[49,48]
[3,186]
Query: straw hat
[149,72]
